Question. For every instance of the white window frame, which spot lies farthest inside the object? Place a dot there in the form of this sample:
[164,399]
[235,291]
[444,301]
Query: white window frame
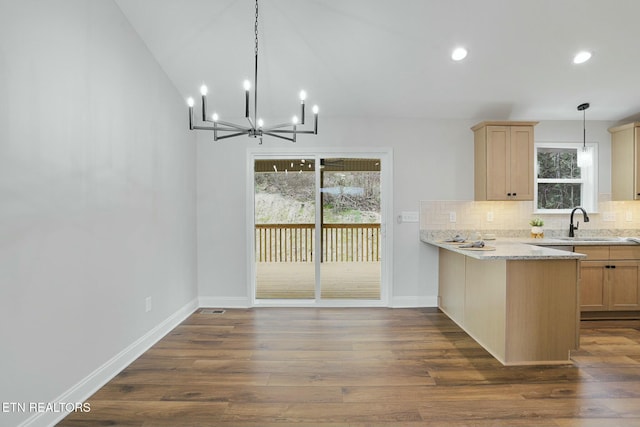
[589,178]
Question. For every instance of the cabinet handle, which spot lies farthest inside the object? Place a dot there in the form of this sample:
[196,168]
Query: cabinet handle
[607,266]
[509,194]
[514,194]
[613,266]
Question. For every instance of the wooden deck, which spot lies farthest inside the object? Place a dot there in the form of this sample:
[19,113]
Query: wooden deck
[340,280]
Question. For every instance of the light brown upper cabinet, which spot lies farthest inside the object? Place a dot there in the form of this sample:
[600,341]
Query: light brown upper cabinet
[625,160]
[504,160]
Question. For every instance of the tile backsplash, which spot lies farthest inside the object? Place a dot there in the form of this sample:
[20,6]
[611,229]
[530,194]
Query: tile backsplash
[612,218]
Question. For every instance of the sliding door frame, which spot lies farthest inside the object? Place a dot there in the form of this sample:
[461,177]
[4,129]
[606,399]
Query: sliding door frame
[386,227]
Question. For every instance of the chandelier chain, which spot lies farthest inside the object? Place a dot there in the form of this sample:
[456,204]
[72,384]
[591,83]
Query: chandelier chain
[256,29]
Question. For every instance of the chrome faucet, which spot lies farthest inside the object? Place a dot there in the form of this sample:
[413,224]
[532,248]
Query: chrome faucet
[571,226]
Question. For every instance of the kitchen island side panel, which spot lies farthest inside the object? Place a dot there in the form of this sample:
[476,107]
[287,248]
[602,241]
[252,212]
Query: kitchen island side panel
[451,282]
[542,311]
[485,304]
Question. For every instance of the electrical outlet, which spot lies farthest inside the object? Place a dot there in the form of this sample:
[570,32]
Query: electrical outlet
[628,216]
[147,303]
[609,216]
[452,216]
[490,216]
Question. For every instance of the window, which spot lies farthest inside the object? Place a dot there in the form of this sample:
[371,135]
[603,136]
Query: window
[560,184]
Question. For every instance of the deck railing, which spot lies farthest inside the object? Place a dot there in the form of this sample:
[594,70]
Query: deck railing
[296,242]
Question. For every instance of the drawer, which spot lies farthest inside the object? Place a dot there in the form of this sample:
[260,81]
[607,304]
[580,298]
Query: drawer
[624,252]
[594,253]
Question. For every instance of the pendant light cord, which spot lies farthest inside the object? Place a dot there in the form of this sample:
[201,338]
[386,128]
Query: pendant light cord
[582,107]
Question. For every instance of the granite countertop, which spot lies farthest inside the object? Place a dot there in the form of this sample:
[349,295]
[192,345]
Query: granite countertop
[578,241]
[528,248]
[509,249]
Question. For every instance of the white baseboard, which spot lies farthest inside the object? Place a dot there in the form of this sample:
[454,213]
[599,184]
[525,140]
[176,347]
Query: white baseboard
[225,302]
[414,302]
[245,302]
[98,378]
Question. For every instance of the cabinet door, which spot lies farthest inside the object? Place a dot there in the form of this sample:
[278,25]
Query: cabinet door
[498,160]
[521,153]
[624,164]
[593,278]
[623,286]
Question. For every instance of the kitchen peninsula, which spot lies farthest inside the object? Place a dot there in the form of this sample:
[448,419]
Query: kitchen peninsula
[519,301]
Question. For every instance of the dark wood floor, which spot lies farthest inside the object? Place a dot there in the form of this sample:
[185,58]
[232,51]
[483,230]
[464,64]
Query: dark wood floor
[363,367]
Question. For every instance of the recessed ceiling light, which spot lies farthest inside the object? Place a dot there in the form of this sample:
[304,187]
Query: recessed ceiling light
[581,57]
[459,54]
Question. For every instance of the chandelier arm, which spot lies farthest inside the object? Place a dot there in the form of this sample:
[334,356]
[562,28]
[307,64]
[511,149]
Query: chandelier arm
[227,129]
[231,135]
[280,126]
[291,132]
[277,136]
[203,127]
[229,124]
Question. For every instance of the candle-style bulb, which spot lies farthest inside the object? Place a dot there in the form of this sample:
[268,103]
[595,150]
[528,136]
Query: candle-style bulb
[315,109]
[247,85]
[190,102]
[204,90]
[294,120]
[260,123]
[214,117]
[303,95]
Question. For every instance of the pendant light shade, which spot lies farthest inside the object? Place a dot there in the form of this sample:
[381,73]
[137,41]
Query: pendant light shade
[585,154]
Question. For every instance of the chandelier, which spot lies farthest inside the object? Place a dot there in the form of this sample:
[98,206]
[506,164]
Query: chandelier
[256,127]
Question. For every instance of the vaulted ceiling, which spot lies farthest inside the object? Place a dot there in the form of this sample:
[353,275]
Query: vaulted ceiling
[391,58]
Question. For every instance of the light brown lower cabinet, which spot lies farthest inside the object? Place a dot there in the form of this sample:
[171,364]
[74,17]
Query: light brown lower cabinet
[610,278]
[523,312]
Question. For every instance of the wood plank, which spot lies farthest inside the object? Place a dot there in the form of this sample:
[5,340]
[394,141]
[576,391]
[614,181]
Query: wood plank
[403,367]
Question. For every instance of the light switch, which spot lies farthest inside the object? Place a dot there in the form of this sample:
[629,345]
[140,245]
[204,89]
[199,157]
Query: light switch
[409,216]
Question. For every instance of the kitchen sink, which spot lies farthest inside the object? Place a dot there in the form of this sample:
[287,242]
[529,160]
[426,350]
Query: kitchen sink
[592,239]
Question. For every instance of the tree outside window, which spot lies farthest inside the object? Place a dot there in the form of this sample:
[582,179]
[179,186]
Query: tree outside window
[560,184]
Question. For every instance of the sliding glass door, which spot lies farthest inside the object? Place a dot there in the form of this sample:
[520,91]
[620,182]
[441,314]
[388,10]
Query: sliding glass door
[285,222]
[318,228]
[350,223]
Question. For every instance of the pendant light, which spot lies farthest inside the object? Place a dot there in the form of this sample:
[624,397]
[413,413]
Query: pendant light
[585,154]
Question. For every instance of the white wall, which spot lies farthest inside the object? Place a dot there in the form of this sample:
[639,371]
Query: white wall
[422,152]
[433,160]
[97,195]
